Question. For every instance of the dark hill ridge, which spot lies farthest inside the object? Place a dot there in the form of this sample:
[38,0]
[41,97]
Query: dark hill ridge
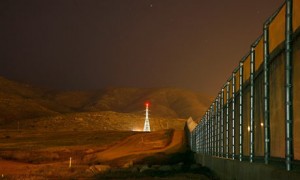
[21,101]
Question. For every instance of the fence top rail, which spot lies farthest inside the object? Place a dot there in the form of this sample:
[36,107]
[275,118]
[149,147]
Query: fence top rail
[273,16]
[236,69]
[226,83]
[257,41]
[245,57]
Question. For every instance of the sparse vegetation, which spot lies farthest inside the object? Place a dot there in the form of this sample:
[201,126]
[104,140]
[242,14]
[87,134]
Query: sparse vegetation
[52,146]
[20,101]
[179,171]
[40,130]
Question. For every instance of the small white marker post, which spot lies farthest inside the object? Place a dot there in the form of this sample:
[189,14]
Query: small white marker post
[70,163]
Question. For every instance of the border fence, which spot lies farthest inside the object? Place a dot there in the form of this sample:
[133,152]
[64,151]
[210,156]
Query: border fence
[256,115]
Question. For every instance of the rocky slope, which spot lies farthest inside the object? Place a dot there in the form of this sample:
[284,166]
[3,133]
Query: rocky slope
[32,107]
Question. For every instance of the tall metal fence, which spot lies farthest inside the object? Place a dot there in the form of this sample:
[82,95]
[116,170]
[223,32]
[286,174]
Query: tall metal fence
[256,114]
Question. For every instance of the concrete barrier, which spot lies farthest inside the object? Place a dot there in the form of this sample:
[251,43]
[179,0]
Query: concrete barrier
[227,169]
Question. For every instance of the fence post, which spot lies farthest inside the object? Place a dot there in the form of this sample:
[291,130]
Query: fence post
[196,139]
[208,125]
[208,138]
[213,128]
[222,123]
[211,131]
[218,125]
[201,135]
[241,111]
[191,141]
[206,133]
[215,132]
[233,115]
[288,84]
[199,131]
[252,70]
[266,94]
[227,119]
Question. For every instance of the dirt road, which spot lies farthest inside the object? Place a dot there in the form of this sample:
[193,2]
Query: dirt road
[140,146]
[131,149]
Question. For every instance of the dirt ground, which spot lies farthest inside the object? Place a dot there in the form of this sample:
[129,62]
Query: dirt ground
[44,155]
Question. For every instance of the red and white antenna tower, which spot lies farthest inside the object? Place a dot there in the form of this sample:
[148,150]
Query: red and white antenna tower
[147,122]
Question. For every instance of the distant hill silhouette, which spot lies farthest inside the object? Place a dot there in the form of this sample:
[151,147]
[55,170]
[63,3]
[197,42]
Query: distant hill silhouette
[20,101]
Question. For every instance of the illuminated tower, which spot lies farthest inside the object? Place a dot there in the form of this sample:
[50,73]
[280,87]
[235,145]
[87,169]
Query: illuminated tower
[147,122]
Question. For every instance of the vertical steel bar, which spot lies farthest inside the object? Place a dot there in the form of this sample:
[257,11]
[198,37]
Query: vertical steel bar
[227,119]
[201,135]
[193,146]
[192,141]
[222,123]
[215,132]
[252,69]
[197,140]
[217,127]
[266,95]
[200,145]
[207,128]
[199,131]
[195,150]
[206,134]
[241,111]
[202,128]
[289,84]
[210,133]
[213,129]
[233,115]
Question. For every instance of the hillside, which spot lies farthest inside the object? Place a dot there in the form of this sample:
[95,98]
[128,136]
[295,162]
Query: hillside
[40,129]
[23,103]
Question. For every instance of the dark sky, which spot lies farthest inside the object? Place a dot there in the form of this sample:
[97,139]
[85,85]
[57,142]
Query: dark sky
[93,44]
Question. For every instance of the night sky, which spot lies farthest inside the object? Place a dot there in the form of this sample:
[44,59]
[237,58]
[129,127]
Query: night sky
[93,44]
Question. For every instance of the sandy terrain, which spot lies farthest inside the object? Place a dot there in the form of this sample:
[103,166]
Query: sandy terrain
[139,146]
[132,149]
